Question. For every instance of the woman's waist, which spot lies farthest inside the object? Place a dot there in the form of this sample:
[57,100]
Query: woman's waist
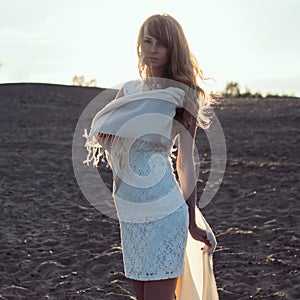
[155,180]
[145,205]
[144,164]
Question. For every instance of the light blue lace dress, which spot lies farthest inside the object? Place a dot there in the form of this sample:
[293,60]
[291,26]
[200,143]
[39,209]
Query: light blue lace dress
[152,250]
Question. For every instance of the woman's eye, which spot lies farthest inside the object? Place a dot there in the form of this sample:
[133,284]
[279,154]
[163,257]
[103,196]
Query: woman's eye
[147,41]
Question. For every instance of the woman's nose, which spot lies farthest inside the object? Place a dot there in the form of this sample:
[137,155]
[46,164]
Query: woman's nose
[154,48]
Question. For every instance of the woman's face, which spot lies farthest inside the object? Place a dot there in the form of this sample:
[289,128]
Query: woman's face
[155,55]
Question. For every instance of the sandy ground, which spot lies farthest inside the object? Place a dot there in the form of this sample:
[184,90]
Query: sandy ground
[56,245]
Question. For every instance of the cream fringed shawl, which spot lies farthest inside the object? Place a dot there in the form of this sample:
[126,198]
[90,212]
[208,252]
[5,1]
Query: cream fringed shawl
[127,118]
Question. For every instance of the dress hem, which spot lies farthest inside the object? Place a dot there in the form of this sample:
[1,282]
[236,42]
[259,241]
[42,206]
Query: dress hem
[153,278]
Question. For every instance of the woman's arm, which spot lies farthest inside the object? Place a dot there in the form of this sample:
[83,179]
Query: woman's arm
[185,169]
[187,178]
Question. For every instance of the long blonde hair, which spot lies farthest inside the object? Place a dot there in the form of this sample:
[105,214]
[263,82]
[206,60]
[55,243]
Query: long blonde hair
[182,67]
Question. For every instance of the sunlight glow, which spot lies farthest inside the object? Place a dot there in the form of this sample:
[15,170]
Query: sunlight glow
[54,41]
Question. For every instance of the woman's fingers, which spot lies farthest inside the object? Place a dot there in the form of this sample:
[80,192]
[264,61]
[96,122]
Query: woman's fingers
[201,235]
[207,242]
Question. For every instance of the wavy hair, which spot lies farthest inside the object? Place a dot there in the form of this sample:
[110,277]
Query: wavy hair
[182,66]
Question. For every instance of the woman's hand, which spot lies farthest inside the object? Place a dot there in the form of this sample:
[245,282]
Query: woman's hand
[199,234]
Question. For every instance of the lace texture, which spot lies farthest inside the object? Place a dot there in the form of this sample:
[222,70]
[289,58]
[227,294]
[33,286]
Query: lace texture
[155,249]
[152,250]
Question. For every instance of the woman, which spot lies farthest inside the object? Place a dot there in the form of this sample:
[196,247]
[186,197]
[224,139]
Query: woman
[157,252]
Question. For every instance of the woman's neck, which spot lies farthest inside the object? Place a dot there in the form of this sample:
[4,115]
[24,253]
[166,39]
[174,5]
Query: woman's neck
[157,72]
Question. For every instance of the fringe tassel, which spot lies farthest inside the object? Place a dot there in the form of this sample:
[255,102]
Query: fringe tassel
[173,150]
[114,151]
[95,150]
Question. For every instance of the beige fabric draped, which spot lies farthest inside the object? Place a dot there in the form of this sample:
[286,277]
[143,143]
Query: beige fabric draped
[198,281]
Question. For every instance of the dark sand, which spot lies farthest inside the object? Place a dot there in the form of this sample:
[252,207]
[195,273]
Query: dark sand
[56,245]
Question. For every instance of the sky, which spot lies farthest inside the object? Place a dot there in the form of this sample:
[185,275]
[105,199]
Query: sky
[253,42]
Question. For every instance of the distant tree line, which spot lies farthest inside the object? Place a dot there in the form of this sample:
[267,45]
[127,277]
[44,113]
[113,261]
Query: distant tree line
[232,89]
[80,80]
